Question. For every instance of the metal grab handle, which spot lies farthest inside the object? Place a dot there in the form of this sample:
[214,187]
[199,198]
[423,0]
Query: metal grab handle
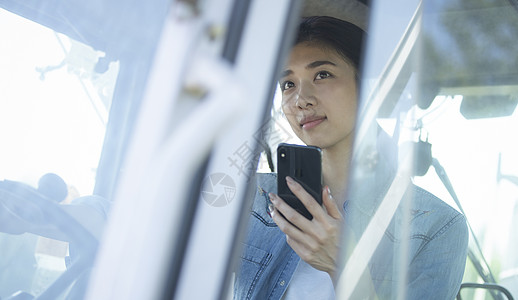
[486,286]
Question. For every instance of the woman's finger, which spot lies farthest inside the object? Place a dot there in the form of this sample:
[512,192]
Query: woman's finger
[291,222]
[307,200]
[330,204]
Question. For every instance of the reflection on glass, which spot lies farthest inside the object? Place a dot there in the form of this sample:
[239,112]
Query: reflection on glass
[53,114]
[54,105]
[475,66]
[451,111]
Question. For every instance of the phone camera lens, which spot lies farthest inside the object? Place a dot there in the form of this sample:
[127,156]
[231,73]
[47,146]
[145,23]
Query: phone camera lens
[282,152]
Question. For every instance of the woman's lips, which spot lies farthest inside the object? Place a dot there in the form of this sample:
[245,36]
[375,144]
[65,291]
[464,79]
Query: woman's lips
[312,123]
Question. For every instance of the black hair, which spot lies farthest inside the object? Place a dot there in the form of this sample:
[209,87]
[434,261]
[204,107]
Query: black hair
[342,36]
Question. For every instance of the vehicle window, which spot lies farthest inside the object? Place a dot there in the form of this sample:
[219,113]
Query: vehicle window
[472,68]
[54,104]
[53,113]
[438,121]
[430,191]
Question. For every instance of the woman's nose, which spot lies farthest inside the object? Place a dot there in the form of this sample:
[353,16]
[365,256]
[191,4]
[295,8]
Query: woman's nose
[305,96]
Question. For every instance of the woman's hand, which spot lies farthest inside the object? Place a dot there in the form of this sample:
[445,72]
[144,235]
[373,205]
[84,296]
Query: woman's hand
[315,241]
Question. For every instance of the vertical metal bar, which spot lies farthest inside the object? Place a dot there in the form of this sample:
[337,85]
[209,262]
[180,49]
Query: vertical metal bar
[264,43]
[235,27]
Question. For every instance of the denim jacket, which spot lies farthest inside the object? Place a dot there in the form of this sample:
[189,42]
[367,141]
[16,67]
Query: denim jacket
[435,254]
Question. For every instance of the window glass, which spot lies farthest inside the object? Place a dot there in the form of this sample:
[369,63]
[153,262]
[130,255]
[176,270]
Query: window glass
[71,78]
[469,61]
[54,105]
[53,115]
[433,188]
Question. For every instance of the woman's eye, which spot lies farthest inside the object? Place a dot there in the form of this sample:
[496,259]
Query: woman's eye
[286,85]
[322,75]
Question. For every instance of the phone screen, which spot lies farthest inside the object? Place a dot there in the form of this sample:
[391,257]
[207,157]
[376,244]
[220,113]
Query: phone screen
[304,165]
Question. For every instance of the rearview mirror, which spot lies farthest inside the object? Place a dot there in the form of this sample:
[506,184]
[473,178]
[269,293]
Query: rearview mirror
[488,106]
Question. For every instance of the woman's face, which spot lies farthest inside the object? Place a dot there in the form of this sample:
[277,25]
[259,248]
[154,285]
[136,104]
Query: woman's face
[319,96]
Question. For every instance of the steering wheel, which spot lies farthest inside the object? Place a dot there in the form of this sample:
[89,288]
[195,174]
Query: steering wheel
[23,207]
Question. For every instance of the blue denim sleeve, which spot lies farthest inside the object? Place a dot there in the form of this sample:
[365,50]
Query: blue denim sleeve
[436,271]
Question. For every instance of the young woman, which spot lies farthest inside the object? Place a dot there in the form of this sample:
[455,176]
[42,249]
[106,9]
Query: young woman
[290,257]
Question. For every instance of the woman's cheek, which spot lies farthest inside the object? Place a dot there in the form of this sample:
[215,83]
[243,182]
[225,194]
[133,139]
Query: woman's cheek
[287,106]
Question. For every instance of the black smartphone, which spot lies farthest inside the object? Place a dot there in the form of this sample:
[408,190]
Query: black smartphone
[304,165]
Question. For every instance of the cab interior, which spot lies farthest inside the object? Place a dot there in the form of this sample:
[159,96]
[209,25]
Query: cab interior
[106,144]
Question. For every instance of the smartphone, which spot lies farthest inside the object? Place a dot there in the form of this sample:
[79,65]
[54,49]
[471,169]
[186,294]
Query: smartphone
[304,165]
